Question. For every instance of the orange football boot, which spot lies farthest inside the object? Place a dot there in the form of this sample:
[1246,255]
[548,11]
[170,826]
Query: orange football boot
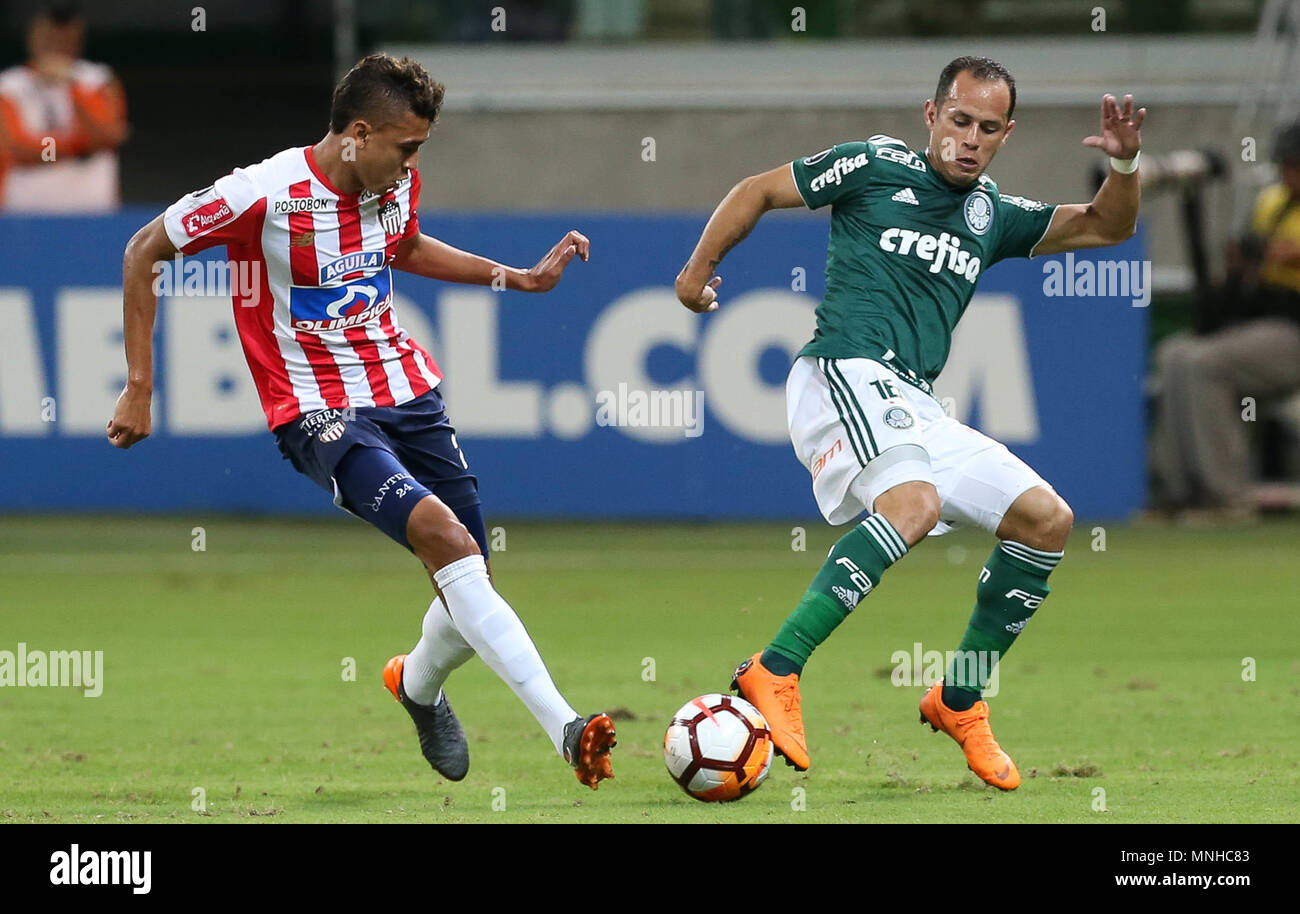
[971,730]
[777,699]
[586,747]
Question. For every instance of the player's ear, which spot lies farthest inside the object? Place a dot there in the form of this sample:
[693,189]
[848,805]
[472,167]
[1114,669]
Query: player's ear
[1011,125]
[929,112]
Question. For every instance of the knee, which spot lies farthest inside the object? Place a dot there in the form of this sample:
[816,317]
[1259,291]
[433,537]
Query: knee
[1040,519]
[912,509]
[1053,527]
[1060,522]
[437,538]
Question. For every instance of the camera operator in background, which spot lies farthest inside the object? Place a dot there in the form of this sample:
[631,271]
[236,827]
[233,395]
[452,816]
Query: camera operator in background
[1200,449]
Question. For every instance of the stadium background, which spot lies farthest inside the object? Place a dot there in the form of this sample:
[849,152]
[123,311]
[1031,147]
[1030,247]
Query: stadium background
[628,120]
[187,559]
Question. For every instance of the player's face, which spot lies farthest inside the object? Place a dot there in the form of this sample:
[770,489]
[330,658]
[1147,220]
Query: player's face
[390,152]
[968,127]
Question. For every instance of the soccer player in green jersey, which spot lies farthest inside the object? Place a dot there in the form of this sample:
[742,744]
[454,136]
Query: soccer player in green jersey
[910,234]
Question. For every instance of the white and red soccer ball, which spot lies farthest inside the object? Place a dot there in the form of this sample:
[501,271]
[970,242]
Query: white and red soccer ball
[718,748]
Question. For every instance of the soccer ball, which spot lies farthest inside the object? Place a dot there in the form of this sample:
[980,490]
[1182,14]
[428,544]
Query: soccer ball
[718,748]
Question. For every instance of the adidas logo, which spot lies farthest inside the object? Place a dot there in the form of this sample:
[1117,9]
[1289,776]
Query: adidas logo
[905,196]
[848,597]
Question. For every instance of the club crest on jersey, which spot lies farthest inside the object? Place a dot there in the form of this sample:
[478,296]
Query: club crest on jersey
[897,417]
[350,263]
[390,216]
[317,310]
[979,212]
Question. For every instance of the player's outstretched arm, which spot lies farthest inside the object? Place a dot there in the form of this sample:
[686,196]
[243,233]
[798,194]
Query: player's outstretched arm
[131,421]
[426,256]
[729,225]
[1111,217]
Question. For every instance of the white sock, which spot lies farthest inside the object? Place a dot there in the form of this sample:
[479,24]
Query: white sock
[440,650]
[491,627]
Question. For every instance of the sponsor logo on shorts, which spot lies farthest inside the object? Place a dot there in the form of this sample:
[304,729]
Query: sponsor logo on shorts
[979,212]
[331,433]
[897,417]
[391,485]
[207,217]
[820,463]
[314,422]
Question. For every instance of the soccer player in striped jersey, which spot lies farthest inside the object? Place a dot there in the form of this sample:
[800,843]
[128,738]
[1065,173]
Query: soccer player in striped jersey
[351,398]
[910,233]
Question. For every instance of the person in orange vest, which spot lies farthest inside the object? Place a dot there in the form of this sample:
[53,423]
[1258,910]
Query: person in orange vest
[61,121]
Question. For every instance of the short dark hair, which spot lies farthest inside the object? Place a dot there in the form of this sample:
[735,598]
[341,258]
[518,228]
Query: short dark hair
[381,88]
[981,68]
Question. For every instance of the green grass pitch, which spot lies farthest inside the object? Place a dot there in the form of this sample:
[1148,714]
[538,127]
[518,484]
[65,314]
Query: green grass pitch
[224,676]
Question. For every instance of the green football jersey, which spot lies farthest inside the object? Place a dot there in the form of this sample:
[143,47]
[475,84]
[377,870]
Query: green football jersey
[906,249]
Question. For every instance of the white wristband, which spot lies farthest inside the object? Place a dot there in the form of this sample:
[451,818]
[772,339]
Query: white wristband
[1126,166]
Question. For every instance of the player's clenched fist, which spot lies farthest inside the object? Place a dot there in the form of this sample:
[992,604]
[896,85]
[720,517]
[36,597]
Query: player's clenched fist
[547,272]
[696,296]
[131,421]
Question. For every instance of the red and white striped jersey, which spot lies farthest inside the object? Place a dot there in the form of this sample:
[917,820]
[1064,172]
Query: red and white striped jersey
[319,328]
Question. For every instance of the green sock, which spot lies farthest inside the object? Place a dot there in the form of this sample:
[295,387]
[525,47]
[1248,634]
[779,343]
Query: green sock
[1013,583]
[850,572]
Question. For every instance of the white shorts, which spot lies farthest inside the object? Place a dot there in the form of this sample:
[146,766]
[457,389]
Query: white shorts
[861,430]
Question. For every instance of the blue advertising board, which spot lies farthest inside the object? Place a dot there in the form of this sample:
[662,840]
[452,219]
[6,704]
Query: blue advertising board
[602,398]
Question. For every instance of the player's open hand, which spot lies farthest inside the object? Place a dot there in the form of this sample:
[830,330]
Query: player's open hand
[699,299]
[131,420]
[547,273]
[1121,128]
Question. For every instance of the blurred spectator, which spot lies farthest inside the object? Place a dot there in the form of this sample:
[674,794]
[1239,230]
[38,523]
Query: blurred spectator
[61,121]
[1200,443]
